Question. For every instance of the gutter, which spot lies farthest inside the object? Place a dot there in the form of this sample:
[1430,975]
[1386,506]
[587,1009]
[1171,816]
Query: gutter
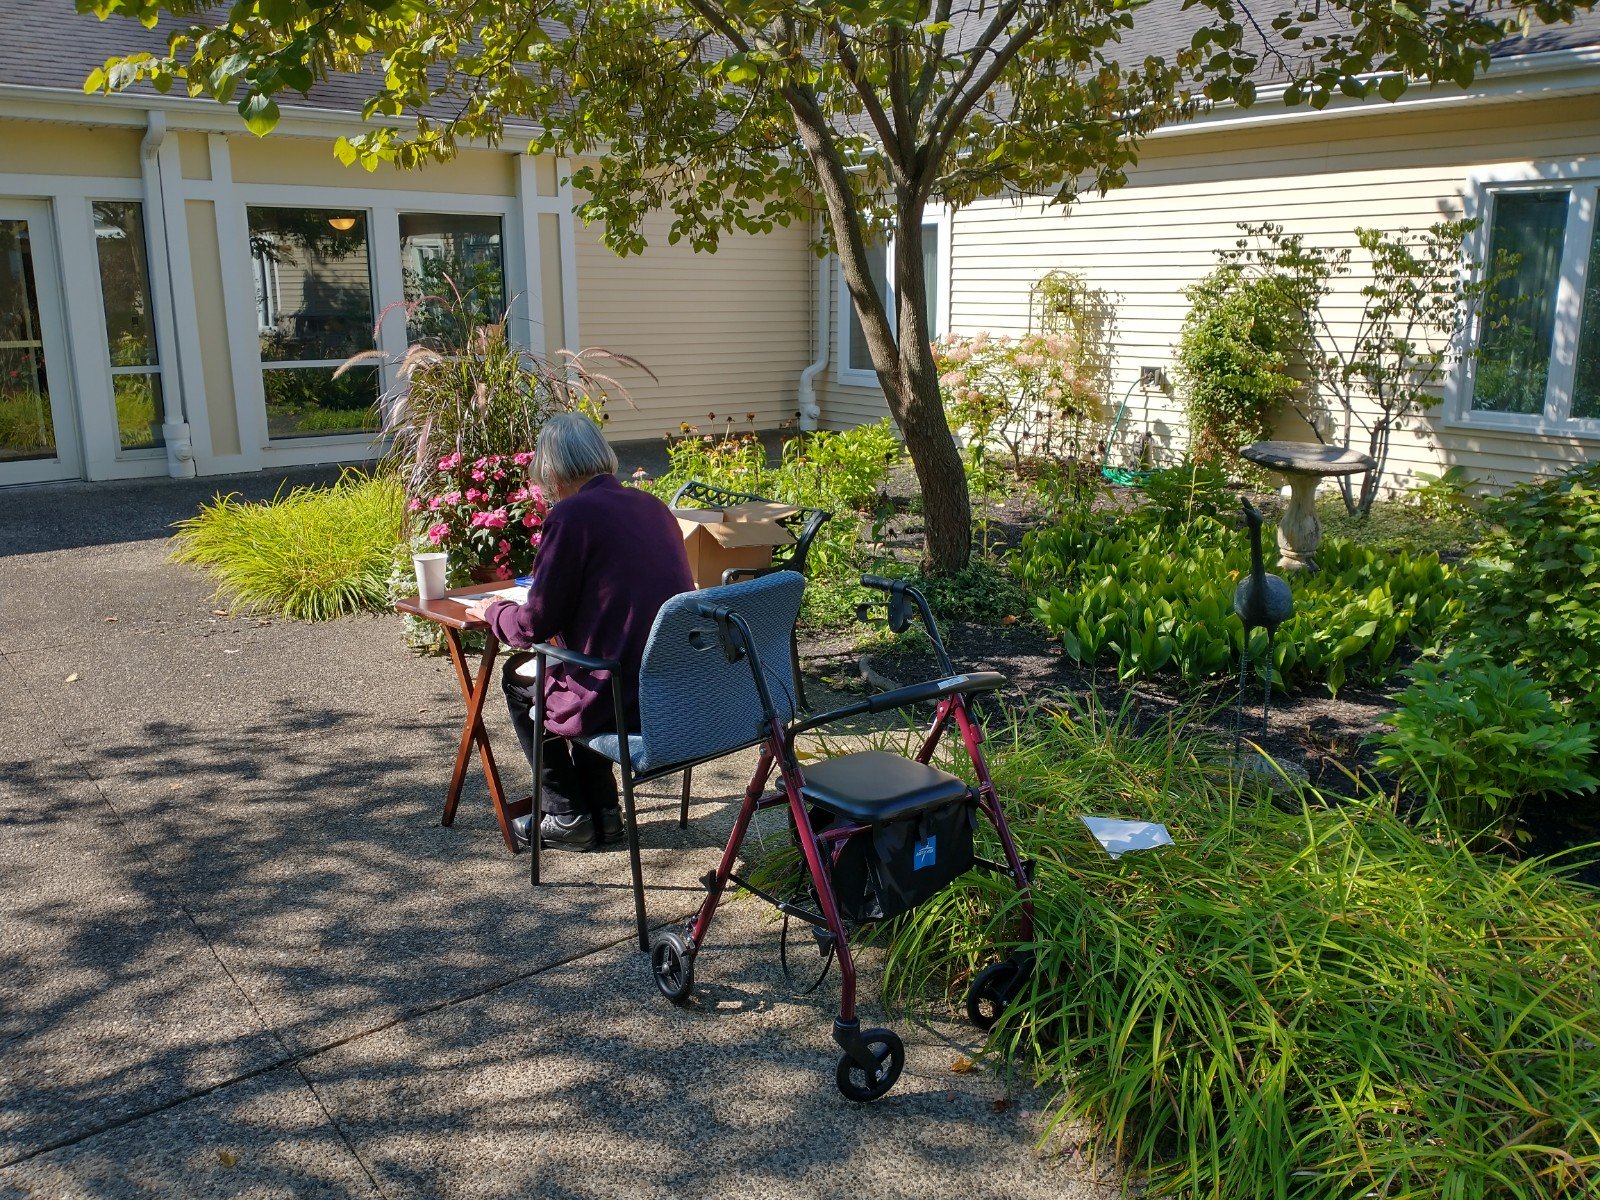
[1550,75]
[175,431]
[810,410]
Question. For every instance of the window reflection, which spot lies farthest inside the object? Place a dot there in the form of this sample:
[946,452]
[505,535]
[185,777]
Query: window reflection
[119,240]
[313,284]
[453,266]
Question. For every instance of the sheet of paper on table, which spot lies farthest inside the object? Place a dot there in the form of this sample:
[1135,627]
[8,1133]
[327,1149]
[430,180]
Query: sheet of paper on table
[1118,837]
[516,595]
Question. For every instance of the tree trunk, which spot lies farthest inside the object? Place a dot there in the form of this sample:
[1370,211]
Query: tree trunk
[918,407]
[903,358]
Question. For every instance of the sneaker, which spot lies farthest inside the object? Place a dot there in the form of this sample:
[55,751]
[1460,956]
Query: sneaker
[566,833]
[611,824]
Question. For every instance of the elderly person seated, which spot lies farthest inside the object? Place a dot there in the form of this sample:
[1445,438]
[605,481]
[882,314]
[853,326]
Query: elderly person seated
[610,556]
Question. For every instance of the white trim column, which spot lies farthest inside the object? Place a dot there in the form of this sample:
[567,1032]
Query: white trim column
[523,279]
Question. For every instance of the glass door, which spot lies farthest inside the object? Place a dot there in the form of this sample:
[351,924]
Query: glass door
[38,439]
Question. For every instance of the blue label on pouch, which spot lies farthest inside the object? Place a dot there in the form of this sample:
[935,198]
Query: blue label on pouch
[523,580]
[925,854]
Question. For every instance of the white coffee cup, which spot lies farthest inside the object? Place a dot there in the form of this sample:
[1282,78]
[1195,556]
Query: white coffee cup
[430,574]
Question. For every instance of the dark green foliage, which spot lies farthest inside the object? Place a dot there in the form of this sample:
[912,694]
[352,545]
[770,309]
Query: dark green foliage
[1150,598]
[1532,587]
[1478,740]
[1308,1004]
[984,592]
[1234,358]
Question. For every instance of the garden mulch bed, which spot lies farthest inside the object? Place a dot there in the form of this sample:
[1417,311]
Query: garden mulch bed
[1324,736]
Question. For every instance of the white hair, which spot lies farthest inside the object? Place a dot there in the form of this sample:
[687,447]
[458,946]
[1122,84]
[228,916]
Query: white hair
[571,448]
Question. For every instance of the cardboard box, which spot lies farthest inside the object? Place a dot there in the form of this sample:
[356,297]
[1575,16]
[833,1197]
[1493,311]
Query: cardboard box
[742,536]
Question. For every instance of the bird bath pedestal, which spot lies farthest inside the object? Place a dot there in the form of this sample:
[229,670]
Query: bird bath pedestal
[1304,465]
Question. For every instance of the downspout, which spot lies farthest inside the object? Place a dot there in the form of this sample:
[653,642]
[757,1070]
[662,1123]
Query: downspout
[810,410]
[175,431]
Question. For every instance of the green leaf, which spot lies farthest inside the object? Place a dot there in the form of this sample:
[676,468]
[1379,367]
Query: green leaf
[260,114]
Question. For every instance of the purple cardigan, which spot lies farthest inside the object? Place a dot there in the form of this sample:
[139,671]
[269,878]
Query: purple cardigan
[609,558]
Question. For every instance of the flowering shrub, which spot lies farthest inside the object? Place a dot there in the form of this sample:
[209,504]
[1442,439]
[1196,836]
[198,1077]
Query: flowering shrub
[484,511]
[1040,393]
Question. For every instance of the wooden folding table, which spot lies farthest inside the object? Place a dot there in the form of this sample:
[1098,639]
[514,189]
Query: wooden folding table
[450,614]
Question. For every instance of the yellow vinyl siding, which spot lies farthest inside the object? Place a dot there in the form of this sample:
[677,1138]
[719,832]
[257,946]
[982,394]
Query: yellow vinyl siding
[725,333]
[309,162]
[46,148]
[1144,243]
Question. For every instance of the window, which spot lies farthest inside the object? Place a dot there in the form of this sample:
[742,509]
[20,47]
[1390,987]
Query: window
[854,356]
[130,331]
[313,278]
[444,255]
[1538,365]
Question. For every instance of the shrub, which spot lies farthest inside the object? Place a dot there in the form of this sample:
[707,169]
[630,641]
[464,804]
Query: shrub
[1234,357]
[1041,393]
[484,512]
[1174,496]
[1318,1003]
[312,555]
[1532,587]
[1477,740]
[1153,598]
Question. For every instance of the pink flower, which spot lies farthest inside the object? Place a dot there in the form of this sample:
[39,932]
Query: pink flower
[415,505]
[522,458]
[519,495]
[436,533]
[450,462]
[529,520]
[451,498]
[474,495]
[480,475]
[538,494]
[495,519]
[433,504]
[505,547]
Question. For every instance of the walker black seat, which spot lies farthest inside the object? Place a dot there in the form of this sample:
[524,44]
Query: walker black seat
[873,787]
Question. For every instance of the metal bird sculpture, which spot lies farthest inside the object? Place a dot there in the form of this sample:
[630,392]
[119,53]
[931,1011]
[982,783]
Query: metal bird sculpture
[1262,601]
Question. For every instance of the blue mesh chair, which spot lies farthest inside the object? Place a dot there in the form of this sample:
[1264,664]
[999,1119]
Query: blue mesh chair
[695,702]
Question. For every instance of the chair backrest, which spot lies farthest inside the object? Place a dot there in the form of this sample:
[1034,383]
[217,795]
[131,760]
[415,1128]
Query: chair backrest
[693,702]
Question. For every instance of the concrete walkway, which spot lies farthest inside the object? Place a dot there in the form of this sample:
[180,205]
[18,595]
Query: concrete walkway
[240,957]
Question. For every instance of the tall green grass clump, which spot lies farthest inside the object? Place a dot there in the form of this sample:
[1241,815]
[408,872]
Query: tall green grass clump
[314,554]
[1305,1002]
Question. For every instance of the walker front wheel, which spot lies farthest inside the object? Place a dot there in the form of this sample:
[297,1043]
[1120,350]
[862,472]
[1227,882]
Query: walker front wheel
[856,1082]
[991,992]
[672,963]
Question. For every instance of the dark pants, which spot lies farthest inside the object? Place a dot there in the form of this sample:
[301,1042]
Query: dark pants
[576,781]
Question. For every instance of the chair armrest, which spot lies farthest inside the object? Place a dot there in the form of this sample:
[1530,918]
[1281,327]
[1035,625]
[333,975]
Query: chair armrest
[904,697]
[735,574]
[572,658]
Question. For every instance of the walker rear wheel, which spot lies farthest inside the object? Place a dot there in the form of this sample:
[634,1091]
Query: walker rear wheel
[672,963]
[856,1082]
[991,992]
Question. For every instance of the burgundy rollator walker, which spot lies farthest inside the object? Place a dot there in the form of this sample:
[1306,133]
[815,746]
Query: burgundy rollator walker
[879,834]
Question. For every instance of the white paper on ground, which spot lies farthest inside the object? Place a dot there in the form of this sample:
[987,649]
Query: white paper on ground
[1118,837]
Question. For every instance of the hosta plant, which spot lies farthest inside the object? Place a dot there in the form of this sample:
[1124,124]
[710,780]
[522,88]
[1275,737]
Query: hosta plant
[1476,740]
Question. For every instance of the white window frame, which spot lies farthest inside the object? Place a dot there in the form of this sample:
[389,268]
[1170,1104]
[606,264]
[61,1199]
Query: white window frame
[1581,179]
[939,320]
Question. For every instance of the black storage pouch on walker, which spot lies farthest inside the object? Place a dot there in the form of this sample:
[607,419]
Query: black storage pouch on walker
[889,869]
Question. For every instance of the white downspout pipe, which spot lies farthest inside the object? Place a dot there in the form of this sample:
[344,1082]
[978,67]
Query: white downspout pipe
[810,410]
[175,430]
